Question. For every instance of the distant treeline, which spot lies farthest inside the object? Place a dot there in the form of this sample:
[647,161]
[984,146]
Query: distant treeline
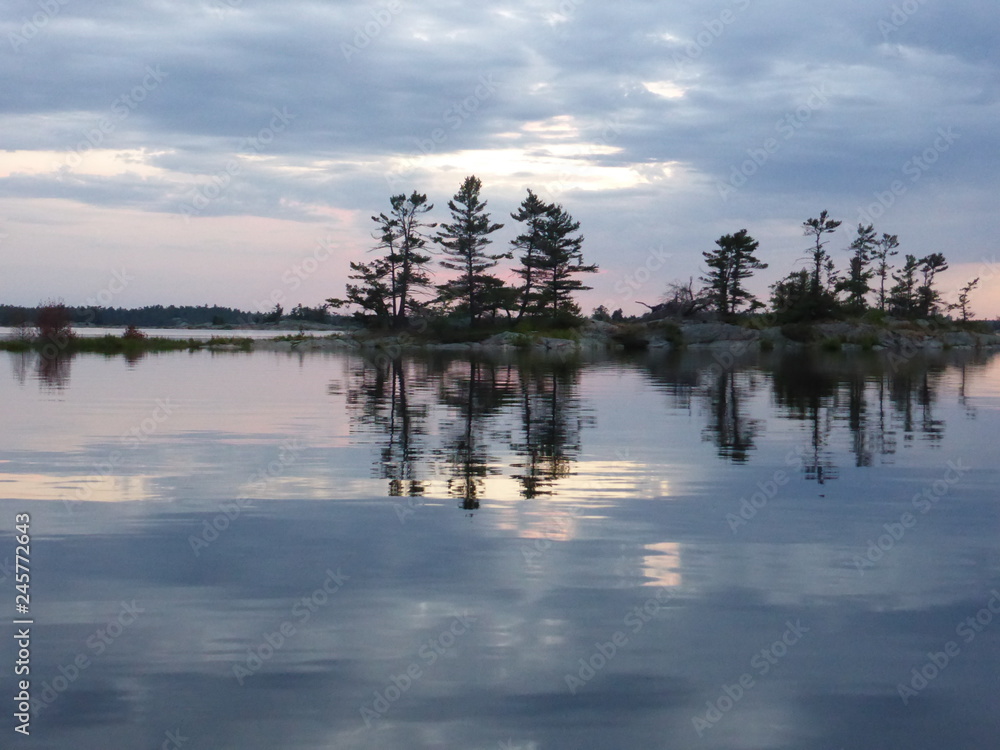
[158,316]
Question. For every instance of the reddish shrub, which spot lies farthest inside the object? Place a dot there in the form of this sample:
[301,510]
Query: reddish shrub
[133,334]
[52,322]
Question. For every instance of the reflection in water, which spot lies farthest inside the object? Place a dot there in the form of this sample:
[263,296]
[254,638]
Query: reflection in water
[963,399]
[19,362]
[51,370]
[477,409]
[132,357]
[876,398]
[474,409]
[677,376]
[378,397]
[473,392]
[730,427]
[913,393]
[808,392]
[633,557]
[462,421]
[551,420]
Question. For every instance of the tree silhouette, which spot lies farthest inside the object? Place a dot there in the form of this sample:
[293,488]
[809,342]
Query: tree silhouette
[821,300]
[927,296]
[856,285]
[533,213]
[903,300]
[560,259]
[965,312]
[464,243]
[729,266]
[884,249]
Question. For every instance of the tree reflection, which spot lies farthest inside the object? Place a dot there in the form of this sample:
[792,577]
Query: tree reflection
[963,384]
[20,362]
[477,411]
[730,427]
[551,421]
[474,391]
[857,419]
[865,389]
[53,370]
[806,390]
[875,398]
[378,395]
[914,393]
[677,375]
[471,407]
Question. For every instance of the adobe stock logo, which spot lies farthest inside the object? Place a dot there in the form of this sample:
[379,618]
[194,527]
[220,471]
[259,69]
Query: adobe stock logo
[381,19]
[923,675]
[787,127]
[31,27]
[915,168]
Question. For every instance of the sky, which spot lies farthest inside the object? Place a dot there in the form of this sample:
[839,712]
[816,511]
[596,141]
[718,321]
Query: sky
[233,152]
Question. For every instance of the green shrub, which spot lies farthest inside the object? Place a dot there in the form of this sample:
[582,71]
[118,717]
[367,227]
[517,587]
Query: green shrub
[802,333]
[669,330]
[973,326]
[631,336]
[868,341]
[241,342]
[875,317]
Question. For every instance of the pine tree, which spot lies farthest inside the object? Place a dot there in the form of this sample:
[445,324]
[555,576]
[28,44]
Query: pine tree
[790,296]
[903,295]
[927,296]
[384,270]
[559,259]
[401,235]
[533,213]
[963,300]
[884,249]
[822,298]
[859,274]
[464,243]
[374,292]
[732,263]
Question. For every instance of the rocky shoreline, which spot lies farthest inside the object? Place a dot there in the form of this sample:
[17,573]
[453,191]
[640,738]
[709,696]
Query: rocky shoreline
[665,336]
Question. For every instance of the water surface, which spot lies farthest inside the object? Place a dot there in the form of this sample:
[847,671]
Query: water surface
[275,550]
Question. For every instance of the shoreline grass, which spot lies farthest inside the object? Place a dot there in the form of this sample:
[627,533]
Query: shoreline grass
[112,345]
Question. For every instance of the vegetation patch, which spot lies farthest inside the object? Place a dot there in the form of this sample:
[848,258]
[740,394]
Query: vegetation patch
[801,333]
[868,341]
[632,337]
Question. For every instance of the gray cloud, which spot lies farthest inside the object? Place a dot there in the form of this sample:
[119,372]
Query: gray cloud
[848,92]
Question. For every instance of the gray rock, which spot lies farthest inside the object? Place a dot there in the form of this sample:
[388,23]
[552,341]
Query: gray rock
[550,344]
[509,338]
[958,338]
[707,333]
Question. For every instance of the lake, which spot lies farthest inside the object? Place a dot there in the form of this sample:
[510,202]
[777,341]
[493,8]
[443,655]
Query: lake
[198,334]
[328,550]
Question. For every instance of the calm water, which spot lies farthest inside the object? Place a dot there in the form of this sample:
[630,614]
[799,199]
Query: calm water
[322,551]
[198,334]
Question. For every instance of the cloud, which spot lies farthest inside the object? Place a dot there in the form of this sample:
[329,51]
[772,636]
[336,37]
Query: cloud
[640,107]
